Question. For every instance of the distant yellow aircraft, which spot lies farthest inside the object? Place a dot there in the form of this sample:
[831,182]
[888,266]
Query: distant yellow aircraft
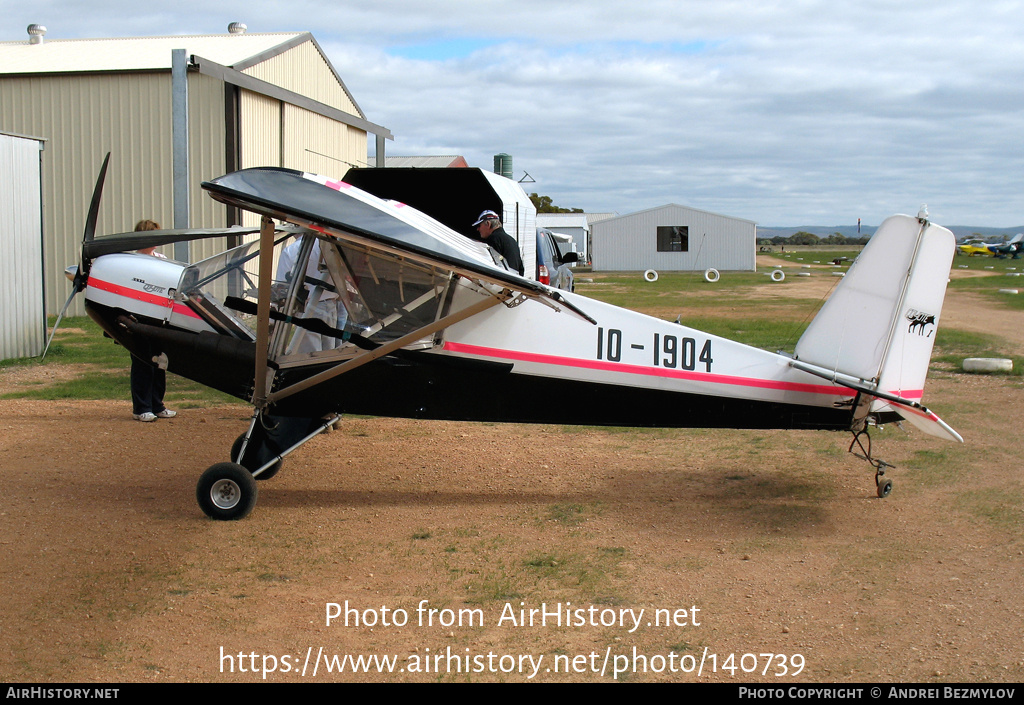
[975,246]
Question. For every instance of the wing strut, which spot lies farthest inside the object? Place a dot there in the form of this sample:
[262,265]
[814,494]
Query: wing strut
[371,355]
[261,381]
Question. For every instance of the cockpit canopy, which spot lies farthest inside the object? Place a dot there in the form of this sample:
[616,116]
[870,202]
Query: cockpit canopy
[329,297]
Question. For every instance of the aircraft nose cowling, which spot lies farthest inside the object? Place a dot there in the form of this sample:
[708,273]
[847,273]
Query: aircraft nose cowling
[139,284]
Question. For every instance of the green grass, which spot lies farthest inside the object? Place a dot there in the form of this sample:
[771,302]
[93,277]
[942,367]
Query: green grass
[765,333]
[809,255]
[585,574]
[776,325]
[936,467]
[999,273]
[672,282]
[989,286]
[952,346]
[569,514]
[1001,508]
[779,323]
[673,289]
[78,341]
[104,371]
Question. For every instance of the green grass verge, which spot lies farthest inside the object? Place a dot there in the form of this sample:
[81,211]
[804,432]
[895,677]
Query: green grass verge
[779,323]
[1000,276]
[104,371]
[771,325]
[953,346]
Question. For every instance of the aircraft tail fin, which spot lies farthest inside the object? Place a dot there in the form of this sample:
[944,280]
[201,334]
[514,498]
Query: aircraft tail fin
[879,324]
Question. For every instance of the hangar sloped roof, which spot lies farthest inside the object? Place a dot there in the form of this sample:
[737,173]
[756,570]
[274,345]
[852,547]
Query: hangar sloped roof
[139,53]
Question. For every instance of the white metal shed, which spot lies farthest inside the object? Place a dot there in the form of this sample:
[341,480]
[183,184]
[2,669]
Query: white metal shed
[22,310]
[673,238]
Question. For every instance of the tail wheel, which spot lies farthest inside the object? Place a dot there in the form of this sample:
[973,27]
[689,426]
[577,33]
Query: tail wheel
[226,491]
[884,487]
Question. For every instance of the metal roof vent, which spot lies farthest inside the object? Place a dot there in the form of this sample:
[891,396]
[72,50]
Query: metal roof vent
[35,33]
[237,28]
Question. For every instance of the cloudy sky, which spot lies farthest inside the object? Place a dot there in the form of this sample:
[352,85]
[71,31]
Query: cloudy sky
[785,112]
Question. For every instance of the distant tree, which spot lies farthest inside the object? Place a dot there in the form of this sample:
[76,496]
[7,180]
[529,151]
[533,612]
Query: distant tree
[544,204]
[803,238]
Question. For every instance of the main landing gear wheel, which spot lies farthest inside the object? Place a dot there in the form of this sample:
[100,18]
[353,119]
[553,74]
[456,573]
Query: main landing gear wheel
[266,474]
[226,491]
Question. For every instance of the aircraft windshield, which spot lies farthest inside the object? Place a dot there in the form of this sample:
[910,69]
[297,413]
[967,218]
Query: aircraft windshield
[329,298]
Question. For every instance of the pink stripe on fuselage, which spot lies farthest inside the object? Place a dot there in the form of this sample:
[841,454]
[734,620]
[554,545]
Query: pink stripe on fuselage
[832,390]
[142,296]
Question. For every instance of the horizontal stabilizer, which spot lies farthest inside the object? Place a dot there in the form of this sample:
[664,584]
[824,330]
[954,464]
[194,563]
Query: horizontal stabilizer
[924,419]
[914,412]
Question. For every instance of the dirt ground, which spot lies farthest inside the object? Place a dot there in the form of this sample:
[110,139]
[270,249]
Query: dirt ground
[755,555]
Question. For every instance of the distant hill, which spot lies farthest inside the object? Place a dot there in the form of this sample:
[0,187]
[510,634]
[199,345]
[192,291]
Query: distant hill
[961,231]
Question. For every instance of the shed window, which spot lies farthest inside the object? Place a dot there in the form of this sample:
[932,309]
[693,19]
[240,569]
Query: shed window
[673,238]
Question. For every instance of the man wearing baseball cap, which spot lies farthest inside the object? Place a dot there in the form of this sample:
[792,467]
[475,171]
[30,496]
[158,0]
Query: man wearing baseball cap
[489,227]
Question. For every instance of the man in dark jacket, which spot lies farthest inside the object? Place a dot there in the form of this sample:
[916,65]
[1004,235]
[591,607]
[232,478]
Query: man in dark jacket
[489,227]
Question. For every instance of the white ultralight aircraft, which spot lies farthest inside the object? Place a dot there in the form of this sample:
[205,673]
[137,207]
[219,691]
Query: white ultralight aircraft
[376,308]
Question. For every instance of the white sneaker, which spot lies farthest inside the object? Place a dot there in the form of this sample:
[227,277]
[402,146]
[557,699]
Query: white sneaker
[166,414]
[145,417]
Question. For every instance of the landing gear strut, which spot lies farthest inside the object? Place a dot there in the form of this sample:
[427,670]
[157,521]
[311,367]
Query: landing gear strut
[228,490]
[883,485]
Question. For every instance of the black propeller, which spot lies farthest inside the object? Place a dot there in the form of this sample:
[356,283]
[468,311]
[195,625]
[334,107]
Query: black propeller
[82,271]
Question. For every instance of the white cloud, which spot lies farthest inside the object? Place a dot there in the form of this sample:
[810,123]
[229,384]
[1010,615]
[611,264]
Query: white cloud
[797,112]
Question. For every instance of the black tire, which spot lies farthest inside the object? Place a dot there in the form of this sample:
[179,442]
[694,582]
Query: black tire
[266,474]
[884,488]
[226,491]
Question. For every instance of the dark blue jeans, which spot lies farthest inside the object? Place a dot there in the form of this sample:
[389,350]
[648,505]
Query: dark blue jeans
[148,386]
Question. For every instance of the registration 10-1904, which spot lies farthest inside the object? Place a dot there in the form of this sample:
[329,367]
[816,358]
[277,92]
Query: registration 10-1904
[669,351]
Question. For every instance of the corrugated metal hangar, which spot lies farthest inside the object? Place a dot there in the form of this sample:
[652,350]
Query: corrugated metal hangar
[673,238]
[173,111]
[22,319]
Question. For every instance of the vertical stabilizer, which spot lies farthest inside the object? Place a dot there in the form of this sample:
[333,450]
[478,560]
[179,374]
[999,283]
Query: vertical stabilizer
[879,324]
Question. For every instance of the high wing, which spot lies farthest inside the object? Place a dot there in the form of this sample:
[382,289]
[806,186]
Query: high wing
[339,209]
